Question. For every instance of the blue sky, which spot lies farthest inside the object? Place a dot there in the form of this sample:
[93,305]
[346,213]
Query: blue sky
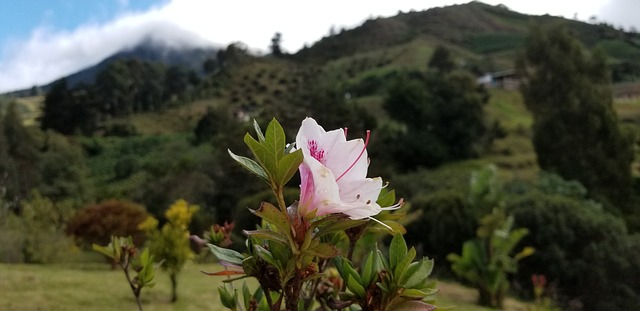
[19,18]
[42,40]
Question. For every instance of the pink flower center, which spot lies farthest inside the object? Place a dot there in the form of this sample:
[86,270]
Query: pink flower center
[366,143]
[315,152]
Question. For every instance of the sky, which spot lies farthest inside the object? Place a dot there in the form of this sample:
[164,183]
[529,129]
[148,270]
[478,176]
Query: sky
[41,41]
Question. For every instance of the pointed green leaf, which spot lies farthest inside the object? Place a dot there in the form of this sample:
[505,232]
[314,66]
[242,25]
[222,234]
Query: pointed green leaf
[266,255]
[267,235]
[400,269]
[250,165]
[338,225]
[369,271]
[275,140]
[274,216]
[226,298]
[246,294]
[258,130]
[263,155]
[227,255]
[105,250]
[397,250]
[413,293]
[417,273]
[288,166]
[387,198]
[355,287]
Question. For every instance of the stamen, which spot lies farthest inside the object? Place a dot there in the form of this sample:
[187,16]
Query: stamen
[368,202]
[366,143]
[395,206]
[345,132]
[382,223]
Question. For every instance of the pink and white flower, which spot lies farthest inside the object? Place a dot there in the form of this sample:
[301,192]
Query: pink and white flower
[334,174]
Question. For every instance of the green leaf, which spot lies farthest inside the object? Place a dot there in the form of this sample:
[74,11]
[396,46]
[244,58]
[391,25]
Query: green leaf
[322,250]
[250,165]
[274,216]
[413,293]
[275,140]
[355,287]
[266,255]
[337,225]
[369,271]
[105,250]
[387,198]
[400,269]
[227,255]
[246,294]
[146,274]
[226,298]
[264,156]
[256,127]
[397,250]
[267,235]
[417,273]
[288,166]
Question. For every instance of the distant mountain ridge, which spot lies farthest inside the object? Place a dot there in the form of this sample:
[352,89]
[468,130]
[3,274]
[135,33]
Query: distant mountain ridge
[148,49]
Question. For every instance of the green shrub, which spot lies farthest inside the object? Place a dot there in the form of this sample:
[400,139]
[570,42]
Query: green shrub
[35,234]
[444,224]
[584,251]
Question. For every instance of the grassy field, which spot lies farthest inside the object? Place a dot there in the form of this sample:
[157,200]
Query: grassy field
[96,287]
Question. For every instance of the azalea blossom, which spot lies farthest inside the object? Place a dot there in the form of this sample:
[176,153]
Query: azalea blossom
[333,174]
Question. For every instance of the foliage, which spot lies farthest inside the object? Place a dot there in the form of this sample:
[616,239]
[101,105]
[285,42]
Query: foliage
[441,60]
[35,234]
[123,251]
[97,223]
[20,156]
[396,283]
[442,118]
[63,169]
[486,260]
[584,251]
[170,244]
[568,92]
[446,221]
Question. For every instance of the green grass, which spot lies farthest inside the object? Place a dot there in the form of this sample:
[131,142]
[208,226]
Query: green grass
[96,287]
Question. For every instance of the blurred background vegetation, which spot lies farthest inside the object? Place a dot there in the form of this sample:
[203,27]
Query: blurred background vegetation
[445,92]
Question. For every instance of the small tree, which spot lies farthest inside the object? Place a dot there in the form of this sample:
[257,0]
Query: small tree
[275,48]
[171,243]
[441,60]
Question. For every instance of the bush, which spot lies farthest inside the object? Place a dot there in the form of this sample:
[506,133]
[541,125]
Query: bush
[586,252]
[444,224]
[35,234]
[98,222]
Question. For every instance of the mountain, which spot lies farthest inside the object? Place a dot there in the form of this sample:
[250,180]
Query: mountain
[485,34]
[149,49]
